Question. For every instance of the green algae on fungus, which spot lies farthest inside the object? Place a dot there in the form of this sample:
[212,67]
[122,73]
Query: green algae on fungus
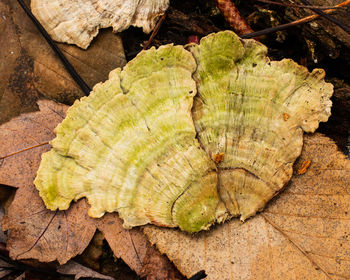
[146,144]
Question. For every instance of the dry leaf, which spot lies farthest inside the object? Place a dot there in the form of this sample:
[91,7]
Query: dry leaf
[38,233]
[143,258]
[80,271]
[4,271]
[24,139]
[303,234]
[31,70]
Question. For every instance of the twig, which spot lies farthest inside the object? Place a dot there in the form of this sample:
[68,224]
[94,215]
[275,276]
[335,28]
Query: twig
[199,275]
[298,6]
[341,24]
[76,77]
[233,17]
[154,32]
[293,23]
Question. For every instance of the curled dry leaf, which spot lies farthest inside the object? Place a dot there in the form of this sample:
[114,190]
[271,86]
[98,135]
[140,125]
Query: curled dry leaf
[37,233]
[303,234]
[77,22]
[6,269]
[132,147]
[80,271]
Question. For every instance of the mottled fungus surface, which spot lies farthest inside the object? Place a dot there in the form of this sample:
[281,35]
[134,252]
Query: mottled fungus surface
[251,113]
[186,138]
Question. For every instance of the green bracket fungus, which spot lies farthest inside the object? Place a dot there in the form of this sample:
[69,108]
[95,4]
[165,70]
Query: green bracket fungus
[186,137]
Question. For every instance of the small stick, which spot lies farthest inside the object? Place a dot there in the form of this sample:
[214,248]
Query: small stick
[76,77]
[298,6]
[233,17]
[341,24]
[293,23]
[198,276]
[154,32]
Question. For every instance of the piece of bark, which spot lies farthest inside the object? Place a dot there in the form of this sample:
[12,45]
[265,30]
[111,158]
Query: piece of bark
[189,23]
[303,233]
[233,17]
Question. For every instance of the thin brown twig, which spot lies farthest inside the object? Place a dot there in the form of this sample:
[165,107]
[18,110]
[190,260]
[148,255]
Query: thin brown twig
[299,6]
[293,23]
[23,150]
[336,21]
[154,32]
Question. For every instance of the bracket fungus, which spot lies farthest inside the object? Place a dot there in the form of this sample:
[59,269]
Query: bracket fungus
[186,137]
[78,22]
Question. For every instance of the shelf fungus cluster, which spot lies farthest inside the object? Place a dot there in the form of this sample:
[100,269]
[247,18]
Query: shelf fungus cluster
[186,137]
[78,22]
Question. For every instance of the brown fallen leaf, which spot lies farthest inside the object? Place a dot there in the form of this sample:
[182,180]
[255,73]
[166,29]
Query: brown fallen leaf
[24,139]
[30,69]
[38,233]
[6,268]
[80,271]
[303,234]
[144,259]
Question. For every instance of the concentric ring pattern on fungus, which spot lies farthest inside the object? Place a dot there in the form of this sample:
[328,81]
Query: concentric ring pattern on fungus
[186,137]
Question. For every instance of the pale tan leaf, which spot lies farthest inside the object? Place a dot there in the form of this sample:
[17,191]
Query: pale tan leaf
[303,234]
[24,139]
[135,250]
